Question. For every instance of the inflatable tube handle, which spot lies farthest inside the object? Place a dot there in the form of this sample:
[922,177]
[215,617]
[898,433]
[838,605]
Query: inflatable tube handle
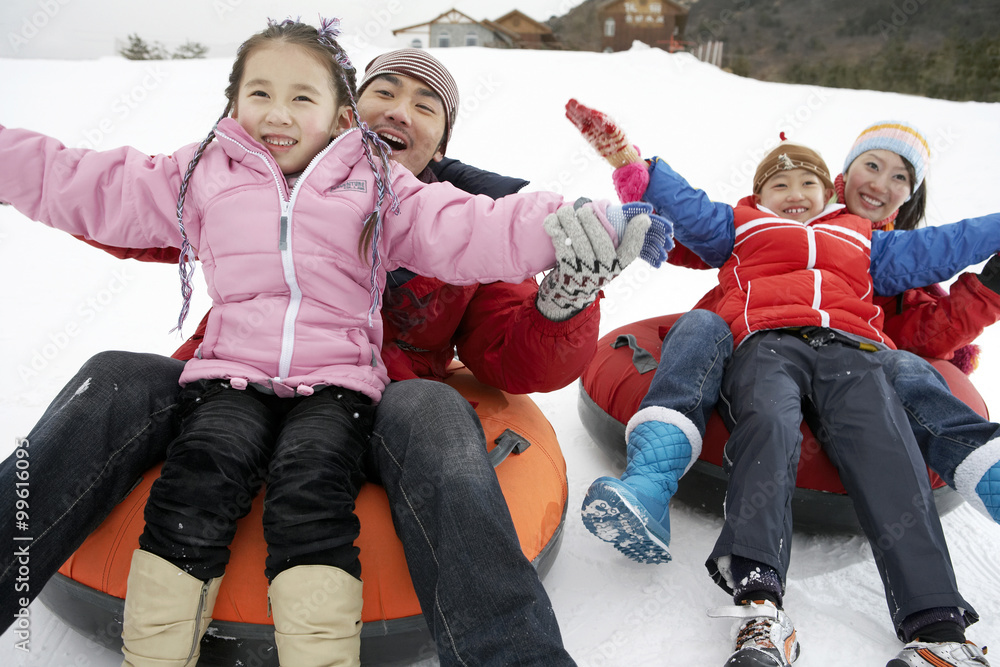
[508,442]
[642,359]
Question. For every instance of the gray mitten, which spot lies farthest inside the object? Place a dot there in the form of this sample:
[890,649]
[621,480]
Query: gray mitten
[586,259]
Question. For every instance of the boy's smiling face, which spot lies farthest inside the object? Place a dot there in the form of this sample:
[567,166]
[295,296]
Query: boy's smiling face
[795,194]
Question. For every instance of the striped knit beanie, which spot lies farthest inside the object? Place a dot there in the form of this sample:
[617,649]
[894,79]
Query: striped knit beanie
[900,138]
[424,67]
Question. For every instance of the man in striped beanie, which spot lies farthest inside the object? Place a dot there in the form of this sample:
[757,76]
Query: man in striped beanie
[418,131]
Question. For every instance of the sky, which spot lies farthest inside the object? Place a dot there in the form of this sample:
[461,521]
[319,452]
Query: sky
[65,302]
[73,29]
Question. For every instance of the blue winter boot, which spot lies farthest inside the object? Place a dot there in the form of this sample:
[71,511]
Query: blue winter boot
[977,478]
[632,513]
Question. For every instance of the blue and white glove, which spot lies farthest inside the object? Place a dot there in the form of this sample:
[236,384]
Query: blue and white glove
[659,239]
[586,258]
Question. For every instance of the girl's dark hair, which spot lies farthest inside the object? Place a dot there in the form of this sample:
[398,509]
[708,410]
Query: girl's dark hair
[322,43]
[325,48]
[911,213]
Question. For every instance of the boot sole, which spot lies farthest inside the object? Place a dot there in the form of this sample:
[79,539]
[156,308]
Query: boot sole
[615,516]
[754,658]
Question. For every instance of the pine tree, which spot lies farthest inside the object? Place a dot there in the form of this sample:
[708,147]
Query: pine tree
[190,50]
[138,49]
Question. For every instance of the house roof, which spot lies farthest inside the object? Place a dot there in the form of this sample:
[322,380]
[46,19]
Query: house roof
[501,29]
[547,35]
[522,15]
[436,19]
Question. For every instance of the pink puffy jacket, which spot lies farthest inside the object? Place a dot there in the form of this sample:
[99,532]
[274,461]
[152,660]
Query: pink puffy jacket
[290,293]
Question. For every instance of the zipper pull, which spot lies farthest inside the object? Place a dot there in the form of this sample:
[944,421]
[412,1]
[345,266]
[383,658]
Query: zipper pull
[283,239]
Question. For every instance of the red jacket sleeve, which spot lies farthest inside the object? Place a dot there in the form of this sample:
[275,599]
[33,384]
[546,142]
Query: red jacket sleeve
[164,255]
[681,256]
[935,326]
[507,343]
[187,350]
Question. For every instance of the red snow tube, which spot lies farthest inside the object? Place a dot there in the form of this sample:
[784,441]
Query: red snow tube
[612,388]
[89,590]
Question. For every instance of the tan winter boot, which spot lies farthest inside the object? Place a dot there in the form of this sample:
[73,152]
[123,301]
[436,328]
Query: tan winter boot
[166,613]
[317,617]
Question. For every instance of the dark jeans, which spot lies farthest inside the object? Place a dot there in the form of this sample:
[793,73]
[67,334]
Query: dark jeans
[864,430]
[947,430]
[482,599]
[104,430]
[693,357]
[698,346]
[309,451]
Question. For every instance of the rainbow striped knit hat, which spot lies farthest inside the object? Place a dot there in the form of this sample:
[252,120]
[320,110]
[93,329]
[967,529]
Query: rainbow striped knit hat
[901,138]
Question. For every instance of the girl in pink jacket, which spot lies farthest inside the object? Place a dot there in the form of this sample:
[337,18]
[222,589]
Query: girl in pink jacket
[283,220]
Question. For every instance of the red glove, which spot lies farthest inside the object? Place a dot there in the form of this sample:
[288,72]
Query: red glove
[631,175]
[602,133]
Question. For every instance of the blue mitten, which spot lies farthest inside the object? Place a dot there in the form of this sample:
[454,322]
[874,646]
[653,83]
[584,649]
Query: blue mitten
[659,239]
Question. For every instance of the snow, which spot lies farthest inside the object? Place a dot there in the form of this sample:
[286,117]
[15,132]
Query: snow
[65,302]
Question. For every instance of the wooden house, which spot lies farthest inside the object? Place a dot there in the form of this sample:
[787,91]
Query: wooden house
[527,32]
[454,28]
[659,23]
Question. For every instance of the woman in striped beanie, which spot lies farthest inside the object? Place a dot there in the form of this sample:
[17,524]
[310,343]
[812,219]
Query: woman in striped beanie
[898,153]
[884,181]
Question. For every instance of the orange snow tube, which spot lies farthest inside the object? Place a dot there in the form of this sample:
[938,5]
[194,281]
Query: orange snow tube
[612,387]
[89,590]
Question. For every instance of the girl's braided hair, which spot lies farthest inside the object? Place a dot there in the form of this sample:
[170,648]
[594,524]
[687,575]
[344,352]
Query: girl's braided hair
[322,43]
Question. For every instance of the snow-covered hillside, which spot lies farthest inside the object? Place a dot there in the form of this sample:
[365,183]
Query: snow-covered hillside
[64,302]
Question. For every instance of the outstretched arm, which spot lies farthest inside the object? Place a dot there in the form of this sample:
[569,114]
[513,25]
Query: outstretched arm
[932,323]
[507,343]
[700,224]
[586,258]
[903,260]
[631,174]
[98,195]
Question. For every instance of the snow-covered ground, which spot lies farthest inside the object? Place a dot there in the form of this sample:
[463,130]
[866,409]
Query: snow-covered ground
[65,302]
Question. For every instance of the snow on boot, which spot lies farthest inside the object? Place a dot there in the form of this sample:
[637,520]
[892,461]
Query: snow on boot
[940,654]
[977,479]
[764,637]
[632,513]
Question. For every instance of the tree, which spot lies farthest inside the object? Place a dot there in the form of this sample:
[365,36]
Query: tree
[138,49]
[190,50]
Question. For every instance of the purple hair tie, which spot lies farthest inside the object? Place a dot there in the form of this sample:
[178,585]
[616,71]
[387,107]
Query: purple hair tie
[329,31]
